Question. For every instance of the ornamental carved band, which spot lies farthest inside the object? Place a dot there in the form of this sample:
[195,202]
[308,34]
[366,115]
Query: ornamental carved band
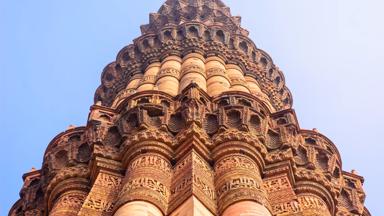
[148,177]
[191,119]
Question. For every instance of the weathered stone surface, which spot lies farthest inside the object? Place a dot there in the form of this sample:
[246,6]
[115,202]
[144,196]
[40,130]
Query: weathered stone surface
[191,119]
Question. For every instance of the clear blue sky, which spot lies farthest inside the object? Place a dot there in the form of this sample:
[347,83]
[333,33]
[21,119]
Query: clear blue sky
[52,54]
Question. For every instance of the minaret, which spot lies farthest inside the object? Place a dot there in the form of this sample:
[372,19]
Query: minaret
[192,119]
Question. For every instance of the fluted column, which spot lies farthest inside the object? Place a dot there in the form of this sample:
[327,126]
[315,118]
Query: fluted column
[255,89]
[193,70]
[238,179]
[217,79]
[138,208]
[168,77]
[313,199]
[312,205]
[148,179]
[134,82]
[246,208]
[149,78]
[252,84]
[68,204]
[68,196]
[236,76]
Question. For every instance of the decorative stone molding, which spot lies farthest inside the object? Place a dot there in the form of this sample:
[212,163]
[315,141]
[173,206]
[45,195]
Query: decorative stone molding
[190,119]
[148,178]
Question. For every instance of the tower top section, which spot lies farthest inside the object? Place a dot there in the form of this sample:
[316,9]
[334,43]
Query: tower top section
[191,118]
[222,58]
[208,12]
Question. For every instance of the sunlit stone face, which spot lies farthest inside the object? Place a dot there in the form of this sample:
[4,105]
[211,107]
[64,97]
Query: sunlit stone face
[192,119]
[246,208]
[211,74]
[138,208]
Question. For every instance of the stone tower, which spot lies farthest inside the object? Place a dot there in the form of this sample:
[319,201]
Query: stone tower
[191,119]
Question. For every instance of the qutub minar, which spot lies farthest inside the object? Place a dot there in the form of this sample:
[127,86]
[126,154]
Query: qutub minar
[191,119]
